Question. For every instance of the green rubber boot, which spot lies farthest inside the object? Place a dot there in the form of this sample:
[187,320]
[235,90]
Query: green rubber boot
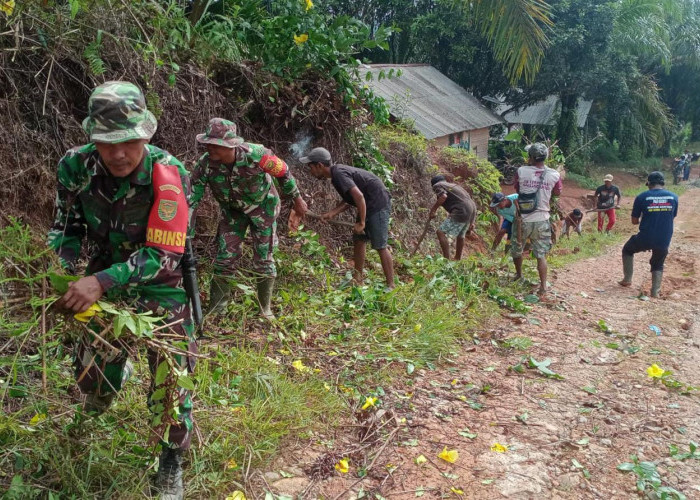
[219,295]
[627,269]
[265,286]
[656,278]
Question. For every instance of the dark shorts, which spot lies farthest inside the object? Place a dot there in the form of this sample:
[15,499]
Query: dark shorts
[508,226]
[658,255]
[376,228]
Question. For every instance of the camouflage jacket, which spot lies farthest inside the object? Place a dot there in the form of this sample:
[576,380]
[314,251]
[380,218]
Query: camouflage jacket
[242,186]
[114,214]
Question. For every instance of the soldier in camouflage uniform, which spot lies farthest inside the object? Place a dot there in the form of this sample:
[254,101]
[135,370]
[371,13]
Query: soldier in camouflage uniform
[240,177]
[129,198]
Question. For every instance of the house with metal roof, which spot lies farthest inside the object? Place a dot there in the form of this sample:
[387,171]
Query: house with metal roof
[440,109]
[543,112]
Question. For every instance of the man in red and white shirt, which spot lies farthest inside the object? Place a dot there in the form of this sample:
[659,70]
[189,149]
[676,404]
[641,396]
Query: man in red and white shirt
[536,184]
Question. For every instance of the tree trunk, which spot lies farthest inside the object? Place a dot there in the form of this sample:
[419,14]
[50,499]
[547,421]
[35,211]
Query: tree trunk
[198,9]
[567,128]
[695,126]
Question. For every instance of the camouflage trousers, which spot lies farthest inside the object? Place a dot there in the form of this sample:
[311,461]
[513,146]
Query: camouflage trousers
[232,230]
[103,371]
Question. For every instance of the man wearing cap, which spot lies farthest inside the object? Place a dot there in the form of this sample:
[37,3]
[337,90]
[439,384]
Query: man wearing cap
[538,186]
[240,176]
[130,199]
[606,202]
[654,211]
[462,214]
[505,207]
[366,192]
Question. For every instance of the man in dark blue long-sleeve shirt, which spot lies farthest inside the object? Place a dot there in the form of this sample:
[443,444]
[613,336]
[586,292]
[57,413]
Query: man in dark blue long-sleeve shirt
[654,211]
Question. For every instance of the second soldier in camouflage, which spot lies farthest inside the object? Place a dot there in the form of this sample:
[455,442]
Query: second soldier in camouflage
[240,176]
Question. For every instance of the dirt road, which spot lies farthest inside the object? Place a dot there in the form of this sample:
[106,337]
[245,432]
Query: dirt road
[564,437]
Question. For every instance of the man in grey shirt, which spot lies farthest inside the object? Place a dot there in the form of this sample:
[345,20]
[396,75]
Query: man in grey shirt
[462,214]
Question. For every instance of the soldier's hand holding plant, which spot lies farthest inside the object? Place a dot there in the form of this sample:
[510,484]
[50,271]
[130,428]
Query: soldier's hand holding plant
[81,294]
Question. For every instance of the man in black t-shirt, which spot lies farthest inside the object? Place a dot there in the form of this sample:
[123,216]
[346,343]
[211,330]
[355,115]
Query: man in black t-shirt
[461,210]
[366,192]
[605,202]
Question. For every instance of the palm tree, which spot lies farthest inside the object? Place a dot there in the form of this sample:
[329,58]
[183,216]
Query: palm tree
[515,32]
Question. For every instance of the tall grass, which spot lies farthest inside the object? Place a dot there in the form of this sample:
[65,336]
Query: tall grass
[260,385]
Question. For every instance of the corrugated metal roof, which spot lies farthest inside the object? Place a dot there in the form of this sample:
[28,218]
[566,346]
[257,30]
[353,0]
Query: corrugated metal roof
[544,112]
[437,105]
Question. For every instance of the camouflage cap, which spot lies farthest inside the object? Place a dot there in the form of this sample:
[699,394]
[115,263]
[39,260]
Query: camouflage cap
[221,132]
[117,113]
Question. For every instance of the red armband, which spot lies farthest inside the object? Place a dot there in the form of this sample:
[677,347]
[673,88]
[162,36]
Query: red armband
[273,165]
[167,222]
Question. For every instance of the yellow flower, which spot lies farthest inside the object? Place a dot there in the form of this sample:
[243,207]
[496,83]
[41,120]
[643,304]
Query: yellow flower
[231,464]
[417,327]
[420,459]
[309,5]
[456,491]
[450,456]
[300,366]
[39,417]
[342,466]
[369,401]
[454,382]
[300,39]
[499,448]
[655,371]
[236,495]
[89,313]
[8,6]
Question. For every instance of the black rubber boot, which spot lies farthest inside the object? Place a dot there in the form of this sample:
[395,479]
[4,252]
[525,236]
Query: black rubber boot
[656,278]
[169,478]
[627,269]
[265,286]
[96,404]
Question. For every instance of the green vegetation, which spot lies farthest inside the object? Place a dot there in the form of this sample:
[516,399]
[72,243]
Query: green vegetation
[334,345]
[589,244]
[679,189]
[649,480]
[480,175]
[282,68]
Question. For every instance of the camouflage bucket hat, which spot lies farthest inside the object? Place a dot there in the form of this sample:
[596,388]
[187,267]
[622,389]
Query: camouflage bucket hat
[117,113]
[220,132]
